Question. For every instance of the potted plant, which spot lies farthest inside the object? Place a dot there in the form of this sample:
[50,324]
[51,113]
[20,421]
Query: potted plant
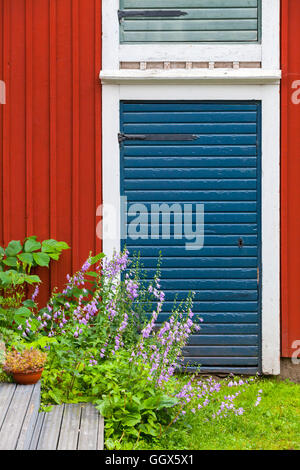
[26,367]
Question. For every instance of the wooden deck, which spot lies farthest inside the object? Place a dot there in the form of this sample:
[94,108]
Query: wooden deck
[66,427]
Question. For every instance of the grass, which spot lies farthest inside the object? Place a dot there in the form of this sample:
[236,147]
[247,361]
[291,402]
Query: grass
[273,425]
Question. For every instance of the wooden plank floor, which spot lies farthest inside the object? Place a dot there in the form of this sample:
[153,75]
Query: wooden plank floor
[19,407]
[66,427]
[69,427]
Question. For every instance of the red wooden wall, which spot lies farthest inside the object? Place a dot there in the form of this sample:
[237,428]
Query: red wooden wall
[50,127]
[290,171]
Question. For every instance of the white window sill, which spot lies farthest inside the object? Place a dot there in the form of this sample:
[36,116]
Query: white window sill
[224,76]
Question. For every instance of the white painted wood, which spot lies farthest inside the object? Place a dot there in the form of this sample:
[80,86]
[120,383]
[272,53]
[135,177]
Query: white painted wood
[271,34]
[110,34]
[210,75]
[111,169]
[271,231]
[269,96]
[189,52]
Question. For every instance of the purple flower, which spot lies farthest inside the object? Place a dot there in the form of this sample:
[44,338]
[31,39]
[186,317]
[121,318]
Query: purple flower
[35,294]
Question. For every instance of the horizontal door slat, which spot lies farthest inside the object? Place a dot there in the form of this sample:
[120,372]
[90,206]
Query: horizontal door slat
[195,117]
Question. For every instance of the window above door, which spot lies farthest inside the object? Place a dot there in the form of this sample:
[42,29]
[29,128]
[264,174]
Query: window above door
[189,21]
[190,34]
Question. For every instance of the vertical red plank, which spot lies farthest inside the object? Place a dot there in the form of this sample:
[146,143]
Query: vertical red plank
[17,120]
[53,134]
[284,179]
[40,130]
[53,155]
[76,130]
[29,98]
[64,135]
[290,188]
[87,203]
[1,123]
[6,121]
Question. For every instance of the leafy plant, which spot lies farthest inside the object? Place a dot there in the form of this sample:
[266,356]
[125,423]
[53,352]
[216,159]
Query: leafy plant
[26,361]
[16,263]
[22,257]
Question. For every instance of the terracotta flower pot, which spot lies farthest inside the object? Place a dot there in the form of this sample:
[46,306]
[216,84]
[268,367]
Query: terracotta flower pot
[28,377]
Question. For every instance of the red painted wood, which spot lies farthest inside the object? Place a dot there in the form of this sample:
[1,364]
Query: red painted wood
[290,170]
[1,120]
[50,128]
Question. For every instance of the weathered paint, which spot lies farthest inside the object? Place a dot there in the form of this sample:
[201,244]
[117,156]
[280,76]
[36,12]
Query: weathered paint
[50,128]
[189,21]
[290,170]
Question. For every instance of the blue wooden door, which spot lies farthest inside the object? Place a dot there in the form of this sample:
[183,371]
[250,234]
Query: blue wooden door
[202,153]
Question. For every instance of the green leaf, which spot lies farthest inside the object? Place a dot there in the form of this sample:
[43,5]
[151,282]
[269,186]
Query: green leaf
[132,419]
[2,252]
[53,246]
[92,274]
[26,258]
[97,258]
[110,444]
[150,403]
[21,315]
[55,396]
[150,430]
[54,256]
[41,259]
[31,245]
[29,303]
[11,261]
[14,247]
[23,312]
[167,402]
[5,278]
[32,279]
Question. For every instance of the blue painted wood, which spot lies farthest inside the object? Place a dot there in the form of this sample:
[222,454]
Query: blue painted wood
[224,340]
[195,128]
[173,161]
[221,169]
[219,317]
[136,106]
[213,306]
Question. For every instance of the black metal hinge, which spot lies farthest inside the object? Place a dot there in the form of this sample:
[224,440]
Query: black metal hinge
[150,14]
[156,137]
